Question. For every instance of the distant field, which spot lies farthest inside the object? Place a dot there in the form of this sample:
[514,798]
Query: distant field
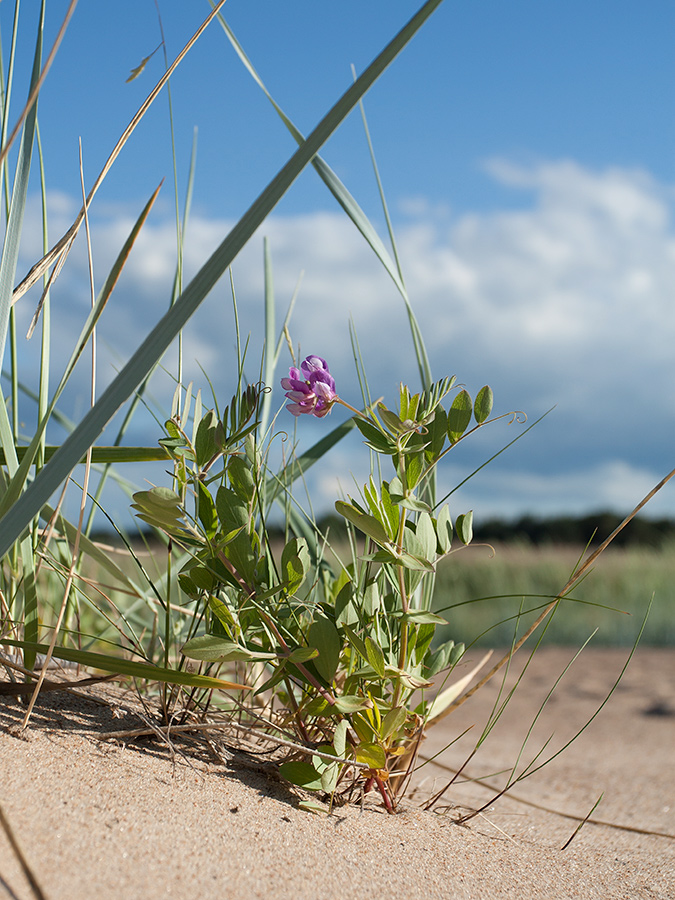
[624,580]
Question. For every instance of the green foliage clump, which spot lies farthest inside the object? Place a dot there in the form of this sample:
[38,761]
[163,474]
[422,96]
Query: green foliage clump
[341,655]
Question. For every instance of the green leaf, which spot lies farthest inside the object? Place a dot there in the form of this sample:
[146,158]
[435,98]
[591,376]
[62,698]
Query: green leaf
[483,405]
[318,707]
[202,578]
[329,778]
[390,419]
[363,728]
[324,636]
[137,70]
[459,416]
[302,654]
[423,617]
[396,491]
[350,703]
[210,648]
[464,527]
[206,446]
[371,598]
[241,551]
[162,508]
[160,500]
[425,635]
[414,469]
[375,439]
[375,656]
[232,512]
[372,755]
[426,535]
[302,774]
[340,737]
[444,529]
[369,525]
[390,509]
[438,660]
[456,654]
[346,612]
[312,807]
[295,563]
[206,509]
[356,642]
[437,432]
[222,612]
[241,478]
[415,505]
[393,721]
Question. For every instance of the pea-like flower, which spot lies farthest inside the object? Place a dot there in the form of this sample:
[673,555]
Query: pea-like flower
[311,388]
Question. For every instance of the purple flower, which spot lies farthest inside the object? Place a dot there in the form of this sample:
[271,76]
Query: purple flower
[311,388]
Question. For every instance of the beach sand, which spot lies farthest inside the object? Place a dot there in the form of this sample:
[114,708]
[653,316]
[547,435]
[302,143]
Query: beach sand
[140,818]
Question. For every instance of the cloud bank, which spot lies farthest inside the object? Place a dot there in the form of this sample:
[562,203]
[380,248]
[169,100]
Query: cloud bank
[565,299]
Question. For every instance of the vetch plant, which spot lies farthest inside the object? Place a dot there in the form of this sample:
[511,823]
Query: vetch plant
[338,652]
[340,655]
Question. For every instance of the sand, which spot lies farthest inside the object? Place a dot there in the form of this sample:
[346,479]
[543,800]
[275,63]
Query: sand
[140,819]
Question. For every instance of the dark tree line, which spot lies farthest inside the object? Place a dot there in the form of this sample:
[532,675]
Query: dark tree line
[578,530]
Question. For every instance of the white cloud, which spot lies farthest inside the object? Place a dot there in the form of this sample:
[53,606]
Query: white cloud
[567,300]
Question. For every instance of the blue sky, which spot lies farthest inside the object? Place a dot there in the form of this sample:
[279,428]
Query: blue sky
[527,152]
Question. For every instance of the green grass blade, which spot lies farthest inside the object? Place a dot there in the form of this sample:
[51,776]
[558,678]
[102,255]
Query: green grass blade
[327,175]
[10,250]
[8,264]
[103,455]
[166,330]
[418,341]
[129,667]
[270,332]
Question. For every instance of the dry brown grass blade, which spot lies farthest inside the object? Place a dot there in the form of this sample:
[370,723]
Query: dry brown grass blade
[62,247]
[580,572]
[586,818]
